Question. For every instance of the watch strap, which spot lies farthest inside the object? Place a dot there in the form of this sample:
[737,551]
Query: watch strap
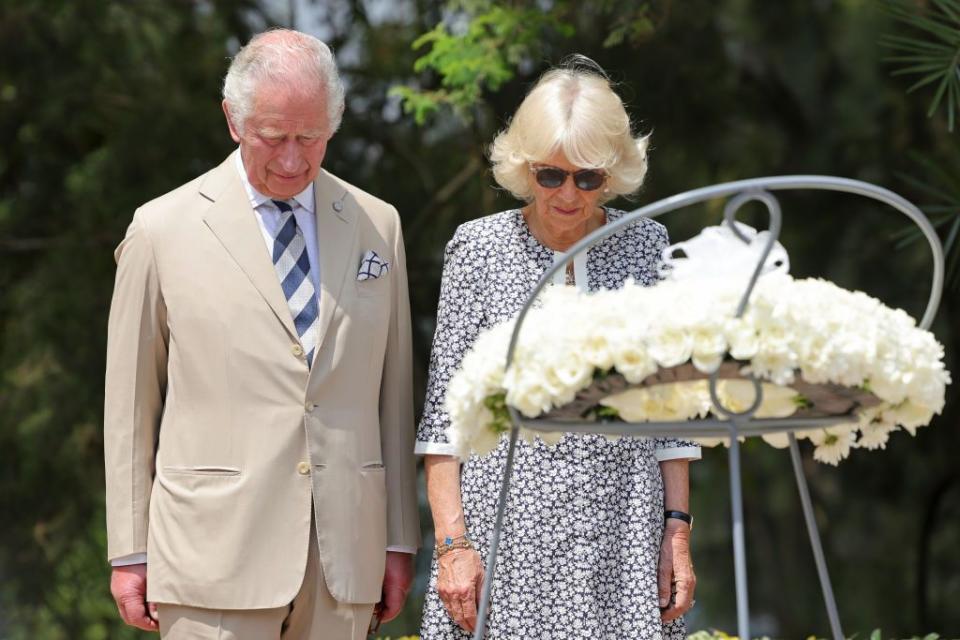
[679,515]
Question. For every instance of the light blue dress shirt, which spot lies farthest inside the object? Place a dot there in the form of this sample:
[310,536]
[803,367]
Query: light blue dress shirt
[268,215]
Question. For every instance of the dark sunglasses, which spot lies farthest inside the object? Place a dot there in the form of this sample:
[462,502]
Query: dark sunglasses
[584,179]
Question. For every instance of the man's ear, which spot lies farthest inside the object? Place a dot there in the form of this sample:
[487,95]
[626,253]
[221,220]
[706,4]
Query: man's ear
[230,125]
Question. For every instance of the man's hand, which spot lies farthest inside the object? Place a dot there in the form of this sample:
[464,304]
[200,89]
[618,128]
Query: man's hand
[675,570]
[459,584]
[128,585]
[397,578]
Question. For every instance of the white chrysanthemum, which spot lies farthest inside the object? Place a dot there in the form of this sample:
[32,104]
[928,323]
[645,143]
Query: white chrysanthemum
[832,444]
[908,415]
[875,430]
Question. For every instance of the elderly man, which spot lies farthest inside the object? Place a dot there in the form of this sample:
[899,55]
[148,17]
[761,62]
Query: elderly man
[258,420]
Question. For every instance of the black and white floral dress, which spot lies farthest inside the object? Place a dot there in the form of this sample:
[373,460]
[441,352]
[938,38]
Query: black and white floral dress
[581,536]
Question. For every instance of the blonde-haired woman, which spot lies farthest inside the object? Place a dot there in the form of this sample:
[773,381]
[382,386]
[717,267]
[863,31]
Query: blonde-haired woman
[595,540]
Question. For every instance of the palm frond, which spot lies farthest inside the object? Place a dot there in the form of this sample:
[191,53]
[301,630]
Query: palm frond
[941,184]
[935,67]
[951,236]
[906,43]
[922,82]
[950,7]
[931,50]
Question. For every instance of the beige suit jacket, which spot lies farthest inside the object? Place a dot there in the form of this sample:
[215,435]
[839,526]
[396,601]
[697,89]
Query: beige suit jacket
[218,438]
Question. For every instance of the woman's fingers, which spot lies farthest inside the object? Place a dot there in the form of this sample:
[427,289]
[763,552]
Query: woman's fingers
[684,579]
[459,576]
[665,575]
[456,611]
[684,597]
[469,611]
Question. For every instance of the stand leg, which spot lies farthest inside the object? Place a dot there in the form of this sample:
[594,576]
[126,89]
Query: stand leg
[815,541]
[482,612]
[739,547]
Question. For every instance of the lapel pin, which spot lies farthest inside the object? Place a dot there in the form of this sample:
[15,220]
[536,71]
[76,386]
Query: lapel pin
[338,204]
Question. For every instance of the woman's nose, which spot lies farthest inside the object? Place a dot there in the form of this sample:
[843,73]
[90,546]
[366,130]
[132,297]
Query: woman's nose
[568,190]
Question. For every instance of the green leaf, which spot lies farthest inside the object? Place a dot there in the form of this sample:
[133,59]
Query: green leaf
[481,44]
[602,412]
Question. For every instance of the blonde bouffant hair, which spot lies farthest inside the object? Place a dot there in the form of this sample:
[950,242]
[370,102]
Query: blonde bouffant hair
[572,109]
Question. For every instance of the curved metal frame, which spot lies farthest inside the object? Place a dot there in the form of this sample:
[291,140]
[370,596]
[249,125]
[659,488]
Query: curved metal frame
[737,424]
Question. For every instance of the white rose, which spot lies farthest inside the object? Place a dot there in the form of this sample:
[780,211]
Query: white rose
[669,346]
[634,362]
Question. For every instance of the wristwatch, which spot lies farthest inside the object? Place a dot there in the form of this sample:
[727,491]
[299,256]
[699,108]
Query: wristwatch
[679,515]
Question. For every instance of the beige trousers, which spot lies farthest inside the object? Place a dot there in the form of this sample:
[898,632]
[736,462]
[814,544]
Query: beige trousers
[313,615]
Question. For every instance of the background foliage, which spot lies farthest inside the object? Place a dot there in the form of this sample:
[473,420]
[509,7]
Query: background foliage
[104,105]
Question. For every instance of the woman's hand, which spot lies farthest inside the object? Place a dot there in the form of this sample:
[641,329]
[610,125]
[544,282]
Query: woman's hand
[459,583]
[675,571]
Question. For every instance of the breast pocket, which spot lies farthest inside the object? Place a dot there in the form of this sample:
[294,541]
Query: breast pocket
[374,286]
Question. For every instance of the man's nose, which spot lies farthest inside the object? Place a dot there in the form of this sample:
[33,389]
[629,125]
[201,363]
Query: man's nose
[290,158]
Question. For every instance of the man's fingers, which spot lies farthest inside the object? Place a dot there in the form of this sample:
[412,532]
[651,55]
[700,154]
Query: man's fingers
[128,585]
[134,613]
[392,604]
[153,611]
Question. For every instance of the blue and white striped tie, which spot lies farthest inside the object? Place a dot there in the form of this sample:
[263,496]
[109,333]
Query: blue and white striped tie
[293,268]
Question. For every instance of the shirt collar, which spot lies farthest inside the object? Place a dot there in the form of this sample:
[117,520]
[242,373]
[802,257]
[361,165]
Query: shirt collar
[304,198]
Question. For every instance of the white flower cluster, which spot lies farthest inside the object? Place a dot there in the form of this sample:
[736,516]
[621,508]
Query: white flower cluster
[808,327]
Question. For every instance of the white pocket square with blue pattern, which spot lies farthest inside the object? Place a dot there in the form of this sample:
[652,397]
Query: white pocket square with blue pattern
[372,266]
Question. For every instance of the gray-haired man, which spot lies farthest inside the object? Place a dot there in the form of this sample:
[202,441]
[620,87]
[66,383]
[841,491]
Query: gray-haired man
[258,419]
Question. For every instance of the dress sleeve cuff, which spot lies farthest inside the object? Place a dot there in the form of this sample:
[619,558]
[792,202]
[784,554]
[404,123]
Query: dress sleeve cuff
[127,560]
[402,549]
[678,453]
[423,448]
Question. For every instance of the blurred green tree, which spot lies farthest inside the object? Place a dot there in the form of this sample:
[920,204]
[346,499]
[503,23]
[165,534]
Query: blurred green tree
[102,106]
[105,105]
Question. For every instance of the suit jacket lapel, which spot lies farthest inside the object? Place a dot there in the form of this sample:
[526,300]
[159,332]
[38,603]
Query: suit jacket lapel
[337,213]
[233,221]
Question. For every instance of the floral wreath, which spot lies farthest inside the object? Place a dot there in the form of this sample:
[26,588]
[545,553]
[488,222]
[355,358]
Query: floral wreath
[643,354]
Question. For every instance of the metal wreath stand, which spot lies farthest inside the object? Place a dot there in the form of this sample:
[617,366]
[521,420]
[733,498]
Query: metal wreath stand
[738,424]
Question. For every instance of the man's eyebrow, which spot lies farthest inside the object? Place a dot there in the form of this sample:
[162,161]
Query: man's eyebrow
[269,132]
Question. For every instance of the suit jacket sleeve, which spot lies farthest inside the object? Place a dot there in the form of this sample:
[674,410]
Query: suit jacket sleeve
[396,411]
[137,339]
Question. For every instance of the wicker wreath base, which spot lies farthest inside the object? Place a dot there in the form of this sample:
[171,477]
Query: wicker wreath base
[826,400]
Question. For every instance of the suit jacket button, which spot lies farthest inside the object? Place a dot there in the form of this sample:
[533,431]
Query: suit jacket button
[297,350]
[303,468]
